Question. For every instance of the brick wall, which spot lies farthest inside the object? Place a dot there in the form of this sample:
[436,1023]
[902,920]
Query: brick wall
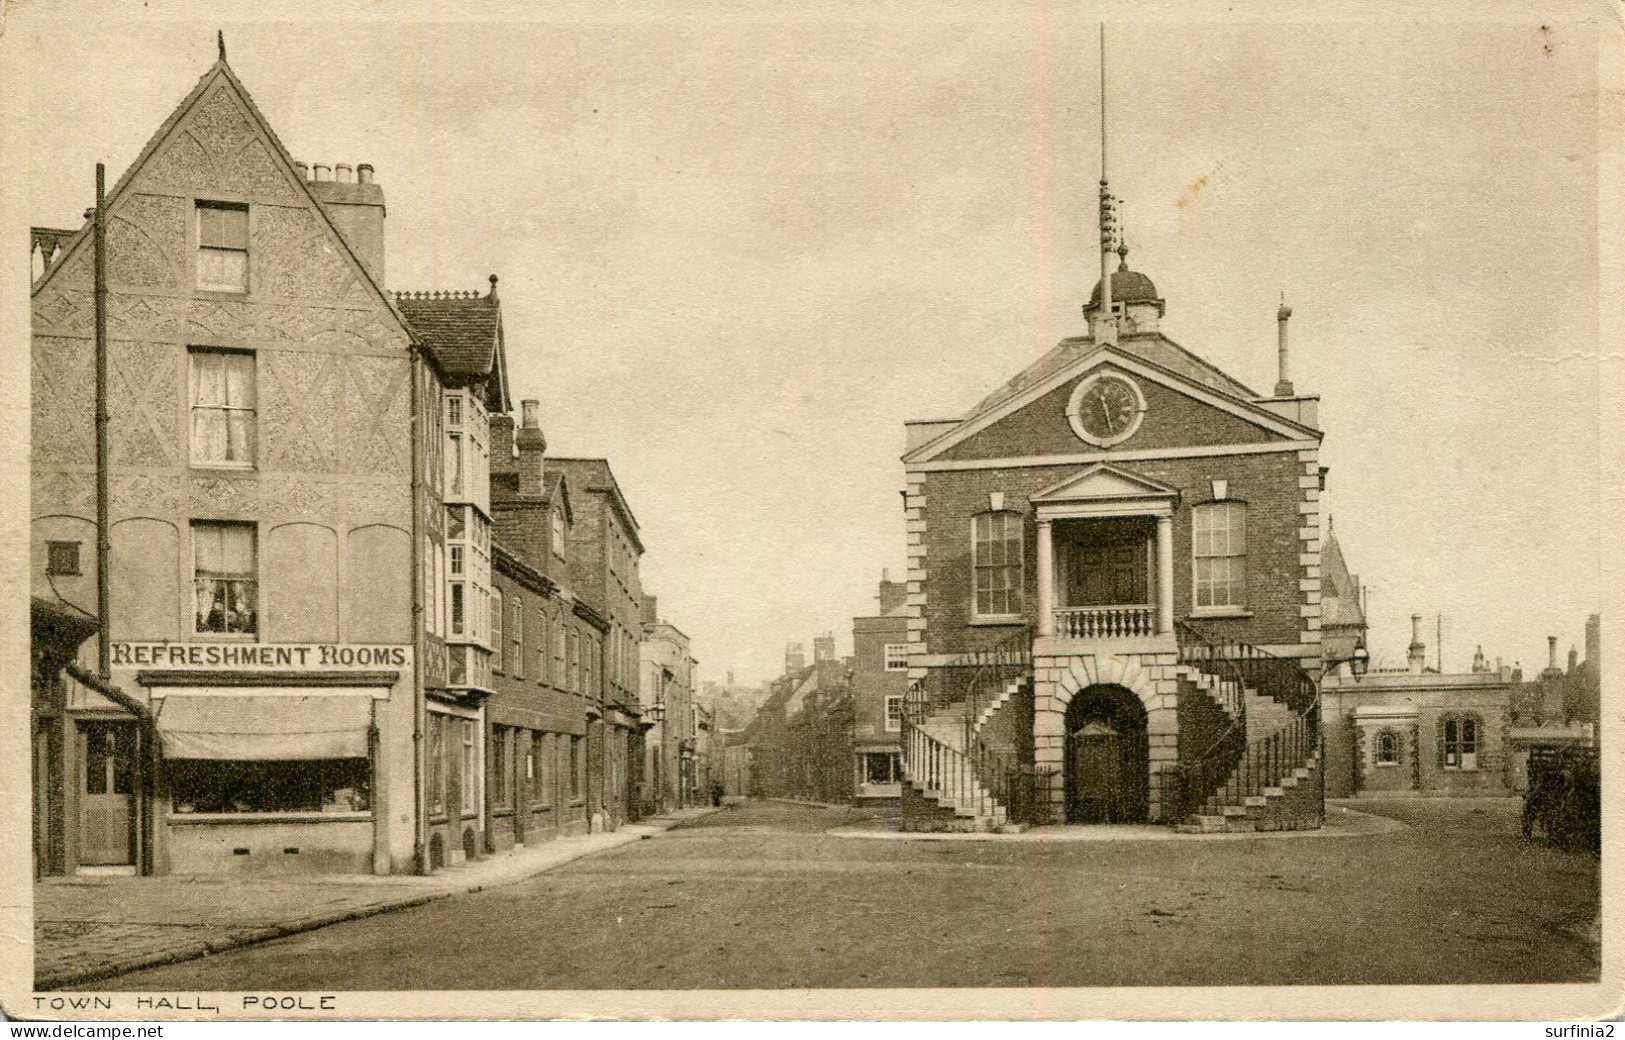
[1270,484]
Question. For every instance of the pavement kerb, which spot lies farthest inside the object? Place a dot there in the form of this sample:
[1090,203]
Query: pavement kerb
[232,940]
[1368,825]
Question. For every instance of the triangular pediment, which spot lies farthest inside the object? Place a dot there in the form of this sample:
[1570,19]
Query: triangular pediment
[1181,412]
[1103,482]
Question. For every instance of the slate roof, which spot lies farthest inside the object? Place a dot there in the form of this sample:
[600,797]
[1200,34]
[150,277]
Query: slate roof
[459,329]
[1340,597]
[1155,348]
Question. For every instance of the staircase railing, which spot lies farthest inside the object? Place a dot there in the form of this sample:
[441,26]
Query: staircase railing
[1233,768]
[973,775]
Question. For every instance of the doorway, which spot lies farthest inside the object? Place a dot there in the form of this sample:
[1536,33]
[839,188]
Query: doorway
[1107,757]
[107,794]
[1109,564]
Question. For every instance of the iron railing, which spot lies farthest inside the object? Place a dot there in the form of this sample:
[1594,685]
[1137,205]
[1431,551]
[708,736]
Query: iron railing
[972,775]
[1234,769]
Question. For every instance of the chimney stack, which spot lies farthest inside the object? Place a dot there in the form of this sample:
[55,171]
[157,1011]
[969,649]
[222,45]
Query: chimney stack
[363,173]
[1417,656]
[1574,659]
[1283,386]
[532,449]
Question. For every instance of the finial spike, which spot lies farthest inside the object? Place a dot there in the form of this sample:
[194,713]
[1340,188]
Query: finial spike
[220,41]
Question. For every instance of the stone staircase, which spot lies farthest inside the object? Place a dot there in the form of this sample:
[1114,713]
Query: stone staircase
[947,792]
[1278,808]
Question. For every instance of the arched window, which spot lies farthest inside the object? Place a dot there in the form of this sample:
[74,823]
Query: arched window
[1461,735]
[1219,554]
[1387,748]
[996,551]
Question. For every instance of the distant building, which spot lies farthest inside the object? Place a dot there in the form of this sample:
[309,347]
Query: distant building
[671,777]
[879,684]
[1420,732]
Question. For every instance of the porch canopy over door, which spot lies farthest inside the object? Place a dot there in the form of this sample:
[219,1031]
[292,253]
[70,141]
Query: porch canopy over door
[1098,492]
[277,727]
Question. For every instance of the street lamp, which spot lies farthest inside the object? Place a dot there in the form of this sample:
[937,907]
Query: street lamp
[1358,661]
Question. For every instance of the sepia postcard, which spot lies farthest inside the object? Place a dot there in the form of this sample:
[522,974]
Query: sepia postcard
[709,511]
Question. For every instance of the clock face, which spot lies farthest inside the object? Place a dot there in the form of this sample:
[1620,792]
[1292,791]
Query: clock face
[1106,409]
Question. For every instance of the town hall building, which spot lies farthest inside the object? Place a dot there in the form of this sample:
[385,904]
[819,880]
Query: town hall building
[1114,587]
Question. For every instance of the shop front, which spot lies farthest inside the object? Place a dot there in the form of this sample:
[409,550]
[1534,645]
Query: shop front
[268,759]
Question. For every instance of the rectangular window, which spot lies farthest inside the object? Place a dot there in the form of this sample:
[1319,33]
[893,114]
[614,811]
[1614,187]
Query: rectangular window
[516,634]
[558,534]
[544,769]
[437,764]
[1219,548]
[456,608]
[456,561]
[454,463]
[222,246]
[1461,743]
[497,619]
[998,564]
[896,657]
[575,662]
[543,642]
[225,578]
[894,712]
[334,785]
[454,411]
[471,775]
[576,768]
[498,781]
[222,407]
[880,768]
[62,558]
[558,655]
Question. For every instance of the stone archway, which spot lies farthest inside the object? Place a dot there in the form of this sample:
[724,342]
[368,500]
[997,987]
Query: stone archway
[1107,765]
[1149,677]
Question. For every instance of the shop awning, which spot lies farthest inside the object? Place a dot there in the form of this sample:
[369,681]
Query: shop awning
[258,728]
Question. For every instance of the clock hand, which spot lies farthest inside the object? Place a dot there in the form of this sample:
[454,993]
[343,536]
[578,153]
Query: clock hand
[1111,427]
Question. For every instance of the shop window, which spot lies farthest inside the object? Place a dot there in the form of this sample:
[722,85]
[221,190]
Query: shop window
[896,655]
[881,768]
[1460,743]
[894,712]
[437,764]
[997,548]
[225,578]
[222,407]
[1219,550]
[322,786]
[222,241]
[470,775]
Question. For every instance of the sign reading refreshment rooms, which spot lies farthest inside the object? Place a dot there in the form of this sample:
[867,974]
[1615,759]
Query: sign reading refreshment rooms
[292,656]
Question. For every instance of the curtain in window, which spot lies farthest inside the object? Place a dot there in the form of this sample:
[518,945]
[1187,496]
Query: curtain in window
[224,577]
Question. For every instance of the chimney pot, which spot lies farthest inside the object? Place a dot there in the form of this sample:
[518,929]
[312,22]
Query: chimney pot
[323,172]
[363,173]
[532,413]
[304,170]
[344,174]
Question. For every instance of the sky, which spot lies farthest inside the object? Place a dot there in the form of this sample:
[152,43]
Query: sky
[739,248]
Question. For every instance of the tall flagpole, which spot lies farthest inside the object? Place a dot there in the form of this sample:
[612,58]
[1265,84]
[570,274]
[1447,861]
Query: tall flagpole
[1107,318]
[103,541]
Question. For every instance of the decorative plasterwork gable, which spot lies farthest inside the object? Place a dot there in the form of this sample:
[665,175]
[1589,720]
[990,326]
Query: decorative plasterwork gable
[216,140]
[1104,488]
[1086,363]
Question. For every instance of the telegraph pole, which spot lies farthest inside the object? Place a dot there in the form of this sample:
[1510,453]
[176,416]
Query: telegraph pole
[104,647]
